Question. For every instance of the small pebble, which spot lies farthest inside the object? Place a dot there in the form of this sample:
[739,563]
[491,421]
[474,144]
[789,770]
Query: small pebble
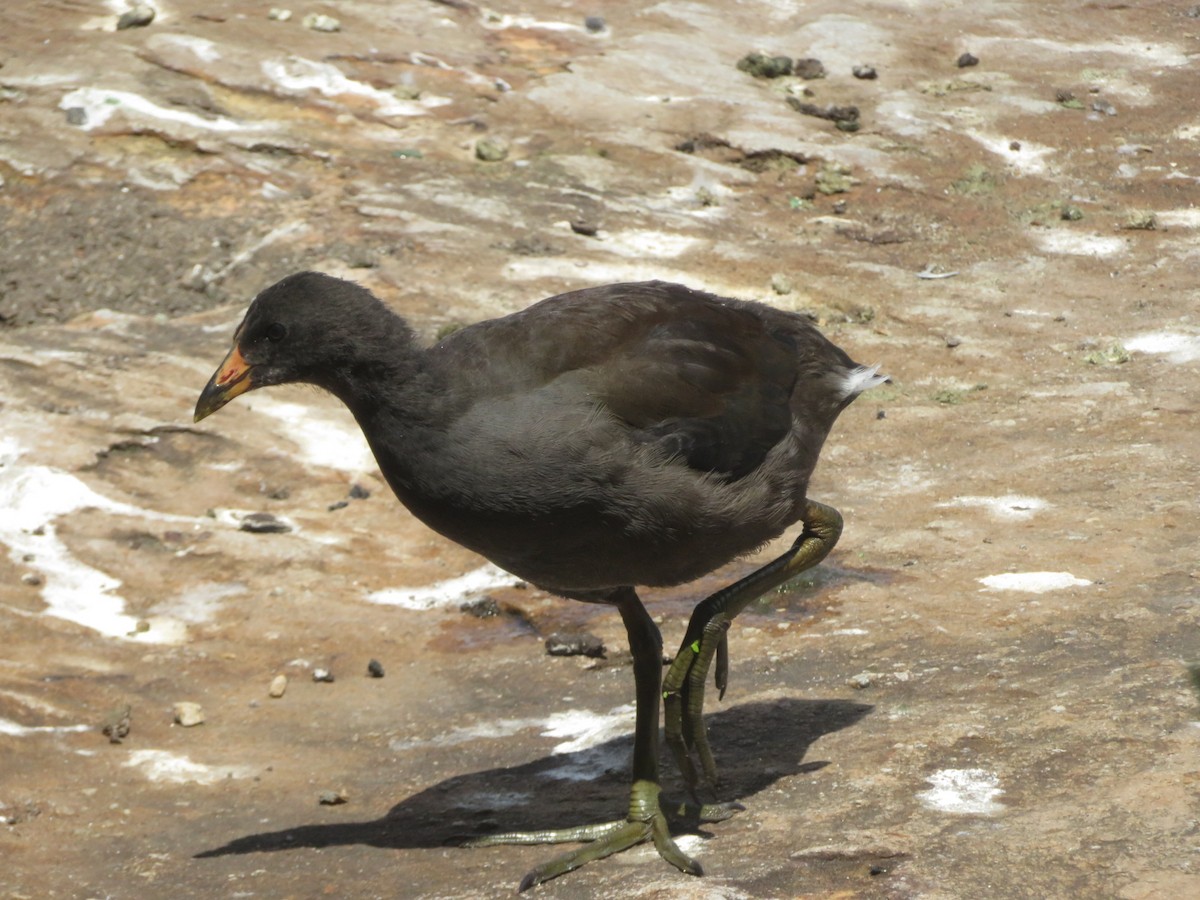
[322,675]
[33,579]
[490,149]
[953,341]
[318,22]
[375,668]
[866,73]
[484,607]
[279,15]
[1071,213]
[862,680]
[584,227]
[278,686]
[1103,106]
[967,60]
[332,798]
[341,504]
[781,284]
[358,492]
[809,69]
[594,24]
[76,115]
[575,644]
[264,523]
[138,17]
[117,723]
[188,714]
[1014,145]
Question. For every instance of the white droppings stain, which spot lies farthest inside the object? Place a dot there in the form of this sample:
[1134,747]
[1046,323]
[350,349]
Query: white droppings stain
[1075,243]
[1176,346]
[1033,582]
[1029,159]
[494,21]
[591,741]
[1139,52]
[202,48]
[655,244]
[1010,507]
[838,632]
[10,728]
[174,768]
[1179,218]
[32,497]
[200,603]
[101,104]
[302,76]
[963,792]
[450,592]
[325,440]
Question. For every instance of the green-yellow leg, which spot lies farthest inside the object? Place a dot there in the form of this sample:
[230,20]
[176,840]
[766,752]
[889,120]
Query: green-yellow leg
[646,820]
[683,687]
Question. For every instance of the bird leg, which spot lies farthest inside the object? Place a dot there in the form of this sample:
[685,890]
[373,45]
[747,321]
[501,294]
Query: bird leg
[706,637]
[646,819]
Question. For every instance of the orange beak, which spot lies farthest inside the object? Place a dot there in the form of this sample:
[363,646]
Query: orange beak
[231,379]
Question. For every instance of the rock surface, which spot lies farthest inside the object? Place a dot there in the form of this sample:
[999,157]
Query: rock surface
[983,692]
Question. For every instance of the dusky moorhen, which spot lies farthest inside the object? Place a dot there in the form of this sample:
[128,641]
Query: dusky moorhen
[631,434]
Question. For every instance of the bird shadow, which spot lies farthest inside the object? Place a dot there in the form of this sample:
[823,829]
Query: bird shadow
[757,744]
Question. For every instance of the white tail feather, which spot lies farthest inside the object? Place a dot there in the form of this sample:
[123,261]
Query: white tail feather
[857,380]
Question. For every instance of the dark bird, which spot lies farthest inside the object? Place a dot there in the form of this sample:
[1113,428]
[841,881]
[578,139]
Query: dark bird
[632,434]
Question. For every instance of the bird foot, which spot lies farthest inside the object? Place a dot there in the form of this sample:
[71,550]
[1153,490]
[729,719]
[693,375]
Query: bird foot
[683,700]
[646,822]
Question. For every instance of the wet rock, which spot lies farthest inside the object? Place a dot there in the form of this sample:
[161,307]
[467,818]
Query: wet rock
[966,60]
[491,149]
[762,65]
[264,523]
[332,798]
[574,644]
[375,668]
[481,608]
[278,686]
[139,16]
[188,714]
[322,676]
[117,723]
[866,73]
[809,69]
[319,22]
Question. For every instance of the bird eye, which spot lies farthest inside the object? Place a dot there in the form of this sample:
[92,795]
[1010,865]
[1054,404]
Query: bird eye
[276,332]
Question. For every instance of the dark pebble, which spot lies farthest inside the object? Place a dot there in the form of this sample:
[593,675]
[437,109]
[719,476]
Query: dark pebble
[809,69]
[264,523]
[482,608]
[358,492]
[575,644]
[594,24]
[967,60]
[880,414]
[76,115]
[138,17]
[866,73]
[584,227]
[375,668]
[341,504]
